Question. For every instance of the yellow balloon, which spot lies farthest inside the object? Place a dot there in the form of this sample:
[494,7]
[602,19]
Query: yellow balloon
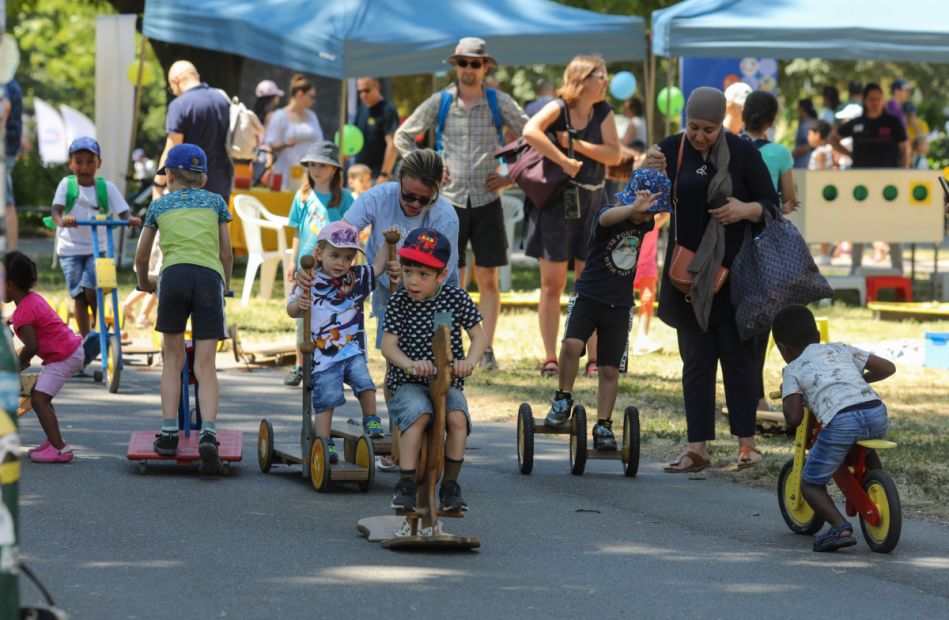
[132,73]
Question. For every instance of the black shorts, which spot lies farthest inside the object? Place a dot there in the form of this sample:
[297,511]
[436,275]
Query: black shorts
[484,227]
[611,324]
[191,291]
[552,237]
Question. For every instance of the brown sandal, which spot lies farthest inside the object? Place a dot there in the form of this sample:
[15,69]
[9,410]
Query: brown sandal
[749,457]
[697,463]
[550,368]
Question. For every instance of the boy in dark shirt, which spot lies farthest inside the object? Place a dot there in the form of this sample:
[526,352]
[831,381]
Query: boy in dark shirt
[408,331]
[603,302]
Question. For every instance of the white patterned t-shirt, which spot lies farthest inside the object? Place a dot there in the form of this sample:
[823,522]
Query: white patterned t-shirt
[414,323]
[830,377]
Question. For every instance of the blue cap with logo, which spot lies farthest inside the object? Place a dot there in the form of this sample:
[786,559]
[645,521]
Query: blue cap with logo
[186,156]
[85,144]
[426,246]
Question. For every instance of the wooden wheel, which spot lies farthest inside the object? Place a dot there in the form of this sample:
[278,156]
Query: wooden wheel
[320,465]
[113,365]
[365,457]
[525,439]
[235,341]
[884,536]
[578,440]
[265,446]
[631,441]
[797,513]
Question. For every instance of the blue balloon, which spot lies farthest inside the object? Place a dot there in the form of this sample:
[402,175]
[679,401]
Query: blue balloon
[623,85]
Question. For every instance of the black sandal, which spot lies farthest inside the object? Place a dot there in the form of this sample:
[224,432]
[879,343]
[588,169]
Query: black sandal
[834,538]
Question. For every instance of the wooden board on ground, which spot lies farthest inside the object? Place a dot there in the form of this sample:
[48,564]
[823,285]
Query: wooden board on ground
[386,530]
[251,354]
[897,311]
[141,447]
[351,431]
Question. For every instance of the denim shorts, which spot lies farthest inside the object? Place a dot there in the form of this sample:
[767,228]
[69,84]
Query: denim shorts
[80,272]
[380,297]
[328,384]
[410,401]
[836,438]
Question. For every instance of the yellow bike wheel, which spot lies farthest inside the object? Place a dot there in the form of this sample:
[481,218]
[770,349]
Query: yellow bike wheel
[365,457]
[320,465]
[797,513]
[885,535]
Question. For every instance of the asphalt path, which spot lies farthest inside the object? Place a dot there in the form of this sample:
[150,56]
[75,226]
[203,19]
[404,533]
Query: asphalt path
[111,543]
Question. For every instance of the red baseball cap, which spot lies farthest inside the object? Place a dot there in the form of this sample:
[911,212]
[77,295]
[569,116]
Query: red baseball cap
[426,246]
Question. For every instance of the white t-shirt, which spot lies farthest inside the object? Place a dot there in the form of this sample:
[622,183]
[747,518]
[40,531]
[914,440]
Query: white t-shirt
[281,129]
[78,241]
[830,376]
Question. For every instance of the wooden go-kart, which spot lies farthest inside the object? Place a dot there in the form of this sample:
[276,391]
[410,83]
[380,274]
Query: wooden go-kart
[358,463]
[422,528]
[871,494]
[576,427]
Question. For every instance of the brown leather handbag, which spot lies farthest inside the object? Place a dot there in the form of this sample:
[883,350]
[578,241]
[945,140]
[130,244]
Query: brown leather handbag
[679,273]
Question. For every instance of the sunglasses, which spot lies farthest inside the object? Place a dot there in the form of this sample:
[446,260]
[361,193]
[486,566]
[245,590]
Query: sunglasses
[464,64]
[421,200]
[602,75]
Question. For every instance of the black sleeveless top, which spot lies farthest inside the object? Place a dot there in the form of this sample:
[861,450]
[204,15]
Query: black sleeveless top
[592,172]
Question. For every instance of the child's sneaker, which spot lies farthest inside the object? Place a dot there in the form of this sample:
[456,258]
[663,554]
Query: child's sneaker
[166,444]
[603,438]
[372,426]
[333,452]
[559,410]
[50,454]
[404,496]
[38,448]
[294,377]
[450,496]
[210,460]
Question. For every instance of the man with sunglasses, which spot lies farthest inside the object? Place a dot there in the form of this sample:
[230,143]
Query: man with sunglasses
[468,136]
[378,120]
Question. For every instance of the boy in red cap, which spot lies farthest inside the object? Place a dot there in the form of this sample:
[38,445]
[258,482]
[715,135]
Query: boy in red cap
[408,331]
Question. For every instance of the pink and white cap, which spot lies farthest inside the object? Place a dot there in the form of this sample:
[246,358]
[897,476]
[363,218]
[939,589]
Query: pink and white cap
[340,235]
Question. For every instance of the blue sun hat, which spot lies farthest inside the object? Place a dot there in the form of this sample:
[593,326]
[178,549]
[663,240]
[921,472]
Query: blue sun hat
[651,180]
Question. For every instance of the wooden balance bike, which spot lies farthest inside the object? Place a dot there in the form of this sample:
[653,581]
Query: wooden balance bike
[422,529]
[871,494]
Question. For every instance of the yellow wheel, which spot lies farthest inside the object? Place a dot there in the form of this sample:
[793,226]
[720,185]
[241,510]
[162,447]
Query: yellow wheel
[797,513]
[320,465]
[365,457]
[265,446]
[631,434]
[884,536]
[113,367]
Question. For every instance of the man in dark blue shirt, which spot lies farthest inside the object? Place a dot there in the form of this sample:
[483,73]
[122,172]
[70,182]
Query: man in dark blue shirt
[13,120]
[198,115]
[378,120]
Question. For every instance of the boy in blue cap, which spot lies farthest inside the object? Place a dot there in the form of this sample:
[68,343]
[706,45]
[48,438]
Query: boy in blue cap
[194,276]
[408,332]
[603,301]
[82,196]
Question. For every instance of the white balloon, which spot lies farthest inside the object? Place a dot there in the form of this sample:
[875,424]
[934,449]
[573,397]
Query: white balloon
[9,58]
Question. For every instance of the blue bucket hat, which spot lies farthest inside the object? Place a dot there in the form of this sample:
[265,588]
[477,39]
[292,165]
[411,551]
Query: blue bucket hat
[651,180]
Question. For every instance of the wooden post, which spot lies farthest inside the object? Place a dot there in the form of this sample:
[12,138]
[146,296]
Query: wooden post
[306,347]
[392,238]
[435,434]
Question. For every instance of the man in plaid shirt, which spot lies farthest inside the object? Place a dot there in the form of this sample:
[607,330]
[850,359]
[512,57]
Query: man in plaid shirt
[469,139]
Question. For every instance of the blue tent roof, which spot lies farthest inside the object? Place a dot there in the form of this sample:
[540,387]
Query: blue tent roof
[909,30]
[351,38]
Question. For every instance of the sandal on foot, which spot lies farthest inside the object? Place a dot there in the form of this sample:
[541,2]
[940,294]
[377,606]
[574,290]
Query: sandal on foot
[550,368]
[696,463]
[591,369]
[749,457]
[835,538]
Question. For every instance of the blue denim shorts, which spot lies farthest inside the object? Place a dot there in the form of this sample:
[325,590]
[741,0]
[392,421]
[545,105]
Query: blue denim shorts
[328,384]
[835,440]
[410,401]
[380,297]
[80,272]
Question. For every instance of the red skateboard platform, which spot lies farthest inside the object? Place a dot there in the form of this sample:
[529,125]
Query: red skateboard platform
[231,447]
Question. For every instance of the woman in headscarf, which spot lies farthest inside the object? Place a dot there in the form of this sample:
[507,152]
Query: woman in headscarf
[720,187]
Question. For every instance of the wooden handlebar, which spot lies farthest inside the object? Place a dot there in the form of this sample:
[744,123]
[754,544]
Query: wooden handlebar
[392,238]
[307,263]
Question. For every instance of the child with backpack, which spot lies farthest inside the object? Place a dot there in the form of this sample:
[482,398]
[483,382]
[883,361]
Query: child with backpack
[84,196]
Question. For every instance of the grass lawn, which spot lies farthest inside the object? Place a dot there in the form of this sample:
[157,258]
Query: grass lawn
[917,397]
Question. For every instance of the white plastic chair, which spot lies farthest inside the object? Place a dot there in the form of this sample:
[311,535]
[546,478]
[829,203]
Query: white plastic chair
[513,213]
[255,217]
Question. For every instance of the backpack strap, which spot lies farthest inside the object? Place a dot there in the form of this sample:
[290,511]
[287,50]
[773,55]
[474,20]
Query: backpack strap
[102,196]
[492,97]
[447,98]
[72,193]
[443,108]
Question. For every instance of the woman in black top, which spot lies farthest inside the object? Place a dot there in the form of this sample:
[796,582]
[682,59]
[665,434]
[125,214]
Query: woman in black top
[711,215]
[552,238]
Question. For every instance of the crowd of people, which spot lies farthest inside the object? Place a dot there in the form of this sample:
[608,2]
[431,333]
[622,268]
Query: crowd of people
[723,174]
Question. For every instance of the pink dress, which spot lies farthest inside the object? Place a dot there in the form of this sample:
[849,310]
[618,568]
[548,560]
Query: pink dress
[55,341]
[646,265]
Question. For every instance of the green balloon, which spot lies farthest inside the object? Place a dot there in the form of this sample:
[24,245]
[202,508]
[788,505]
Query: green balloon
[890,193]
[860,193]
[829,193]
[670,101]
[352,140]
